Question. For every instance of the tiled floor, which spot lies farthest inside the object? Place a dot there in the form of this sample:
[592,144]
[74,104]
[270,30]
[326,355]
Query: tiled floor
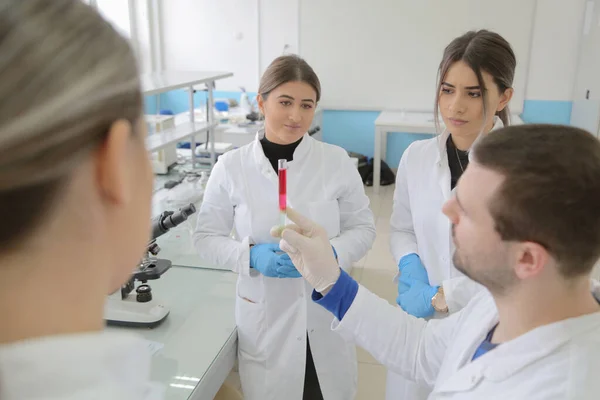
[376,271]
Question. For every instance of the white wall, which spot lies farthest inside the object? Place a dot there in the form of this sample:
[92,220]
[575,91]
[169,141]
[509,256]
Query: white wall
[384,54]
[555,49]
[241,36]
[117,12]
[244,36]
[278,28]
[212,35]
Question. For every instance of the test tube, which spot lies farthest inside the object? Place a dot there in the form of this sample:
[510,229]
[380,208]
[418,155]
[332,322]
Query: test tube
[282,172]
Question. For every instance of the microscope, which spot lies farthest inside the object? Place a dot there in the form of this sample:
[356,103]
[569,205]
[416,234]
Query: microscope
[124,308]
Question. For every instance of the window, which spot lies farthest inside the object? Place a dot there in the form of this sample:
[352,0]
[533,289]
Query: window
[124,16]
[117,13]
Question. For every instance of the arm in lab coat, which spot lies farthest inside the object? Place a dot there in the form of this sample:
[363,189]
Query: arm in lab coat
[409,346]
[459,291]
[402,238]
[212,236]
[357,224]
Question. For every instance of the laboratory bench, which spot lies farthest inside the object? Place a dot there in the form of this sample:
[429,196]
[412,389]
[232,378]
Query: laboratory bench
[195,347]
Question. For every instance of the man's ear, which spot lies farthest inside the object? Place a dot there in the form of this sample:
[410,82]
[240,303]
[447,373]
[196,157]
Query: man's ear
[531,260]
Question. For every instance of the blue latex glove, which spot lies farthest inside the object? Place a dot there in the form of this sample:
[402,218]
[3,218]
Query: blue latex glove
[269,260]
[288,270]
[417,299]
[410,266]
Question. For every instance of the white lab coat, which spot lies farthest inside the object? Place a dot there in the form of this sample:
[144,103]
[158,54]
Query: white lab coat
[274,315]
[419,226]
[98,366]
[552,362]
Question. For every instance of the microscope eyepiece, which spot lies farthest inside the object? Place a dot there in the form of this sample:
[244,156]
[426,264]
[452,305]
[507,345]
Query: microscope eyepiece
[169,219]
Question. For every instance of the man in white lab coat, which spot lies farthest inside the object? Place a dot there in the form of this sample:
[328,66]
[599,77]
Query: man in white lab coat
[526,225]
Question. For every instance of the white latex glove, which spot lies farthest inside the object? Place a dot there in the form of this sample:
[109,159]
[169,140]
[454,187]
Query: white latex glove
[308,246]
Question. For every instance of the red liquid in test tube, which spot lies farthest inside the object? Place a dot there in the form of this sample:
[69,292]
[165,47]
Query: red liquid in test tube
[282,172]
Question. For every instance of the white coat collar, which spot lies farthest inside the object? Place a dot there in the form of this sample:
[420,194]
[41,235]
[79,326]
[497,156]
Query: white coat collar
[93,365]
[511,357]
[443,138]
[537,344]
[299,154]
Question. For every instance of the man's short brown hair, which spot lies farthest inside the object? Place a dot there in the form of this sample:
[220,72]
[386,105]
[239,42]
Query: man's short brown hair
[551,191]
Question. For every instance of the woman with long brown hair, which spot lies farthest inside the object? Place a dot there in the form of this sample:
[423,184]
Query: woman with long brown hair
[286,347]
[474,88]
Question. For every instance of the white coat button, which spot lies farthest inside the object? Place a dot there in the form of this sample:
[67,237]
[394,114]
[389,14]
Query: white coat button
[302,294]
[299,338]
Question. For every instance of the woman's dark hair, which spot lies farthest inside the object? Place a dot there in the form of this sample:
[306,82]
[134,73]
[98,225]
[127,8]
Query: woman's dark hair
[288,68]
[482,51]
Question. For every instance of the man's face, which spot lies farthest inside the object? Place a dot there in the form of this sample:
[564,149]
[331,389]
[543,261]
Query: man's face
[480,252]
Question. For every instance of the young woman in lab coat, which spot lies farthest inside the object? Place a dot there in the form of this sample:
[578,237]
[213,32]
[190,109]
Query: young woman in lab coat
[286,347]
[474,89]
[75,198]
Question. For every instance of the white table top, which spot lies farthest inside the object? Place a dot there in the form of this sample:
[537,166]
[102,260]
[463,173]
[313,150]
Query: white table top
[199,329]
[396,117]
[177,246]
[416,122]
[171,80]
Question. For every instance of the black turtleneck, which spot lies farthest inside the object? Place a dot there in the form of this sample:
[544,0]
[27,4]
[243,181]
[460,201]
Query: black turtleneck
[275,152]
[457,161]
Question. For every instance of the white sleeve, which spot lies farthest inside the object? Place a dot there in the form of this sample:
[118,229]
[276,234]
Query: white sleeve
[212,236]
[407,345]
[459,291]
[357,224]
[402,238]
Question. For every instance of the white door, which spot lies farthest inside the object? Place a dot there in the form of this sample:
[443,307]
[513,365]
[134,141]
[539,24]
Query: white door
[586,93]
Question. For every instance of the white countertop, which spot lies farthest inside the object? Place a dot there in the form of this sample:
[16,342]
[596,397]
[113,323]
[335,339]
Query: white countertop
[416,122]
[199,335]
[178,247]
[395,117]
